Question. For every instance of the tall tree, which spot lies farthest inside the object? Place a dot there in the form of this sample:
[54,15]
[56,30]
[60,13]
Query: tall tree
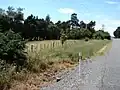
[2,11]
[74,20]
[82,24]
[90,27]
[47,19]
[19,21]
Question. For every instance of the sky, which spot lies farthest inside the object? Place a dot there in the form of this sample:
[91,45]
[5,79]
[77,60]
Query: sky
[105,12]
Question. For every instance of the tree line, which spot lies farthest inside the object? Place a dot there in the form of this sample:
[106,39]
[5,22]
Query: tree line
[34,28]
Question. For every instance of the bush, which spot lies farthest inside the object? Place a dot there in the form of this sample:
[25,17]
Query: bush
[12,48]
[86,39]
[100,34]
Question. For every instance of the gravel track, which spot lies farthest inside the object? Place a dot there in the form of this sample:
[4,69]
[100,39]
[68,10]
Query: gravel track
[103,73]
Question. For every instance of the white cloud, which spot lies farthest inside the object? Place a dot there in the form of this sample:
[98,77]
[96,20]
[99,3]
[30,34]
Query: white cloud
[111,2]
[66,10]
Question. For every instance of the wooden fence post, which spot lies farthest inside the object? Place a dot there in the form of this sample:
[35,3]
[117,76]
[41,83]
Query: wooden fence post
[32,48]
[80,58]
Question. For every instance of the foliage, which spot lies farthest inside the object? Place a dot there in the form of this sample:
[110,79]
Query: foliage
[34,28]
[101,35]
[74,20]
[12,48]
[12,55]
[117,32]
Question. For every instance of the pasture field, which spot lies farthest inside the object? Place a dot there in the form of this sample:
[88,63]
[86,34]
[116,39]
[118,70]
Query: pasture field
[44,53]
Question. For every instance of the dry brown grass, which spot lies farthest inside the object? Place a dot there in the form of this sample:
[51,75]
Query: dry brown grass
[33,81]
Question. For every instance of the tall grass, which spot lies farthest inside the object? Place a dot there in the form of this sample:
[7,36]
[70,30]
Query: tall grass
[42,58]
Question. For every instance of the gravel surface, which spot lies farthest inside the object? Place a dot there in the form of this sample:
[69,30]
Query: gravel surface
[103,73]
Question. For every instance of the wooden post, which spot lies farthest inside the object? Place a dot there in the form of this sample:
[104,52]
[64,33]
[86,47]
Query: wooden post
[43,46]
[80,58]
[53,44]
[32,48]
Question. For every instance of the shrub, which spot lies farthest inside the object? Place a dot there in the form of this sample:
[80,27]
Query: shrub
[86,39]
[12,48]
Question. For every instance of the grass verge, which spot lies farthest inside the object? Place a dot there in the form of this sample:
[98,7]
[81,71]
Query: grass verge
[44,64]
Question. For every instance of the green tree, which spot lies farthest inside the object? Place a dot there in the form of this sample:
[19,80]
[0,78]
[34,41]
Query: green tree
[2,11]
[101,35]
[82,25]
[34,28]
[47,19]
[74,20]
[117,32]
[86,33]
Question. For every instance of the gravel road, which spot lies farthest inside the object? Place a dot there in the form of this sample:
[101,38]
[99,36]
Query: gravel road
[103,73]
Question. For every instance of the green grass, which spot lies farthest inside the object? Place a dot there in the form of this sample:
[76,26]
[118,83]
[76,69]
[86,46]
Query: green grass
[41,58]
